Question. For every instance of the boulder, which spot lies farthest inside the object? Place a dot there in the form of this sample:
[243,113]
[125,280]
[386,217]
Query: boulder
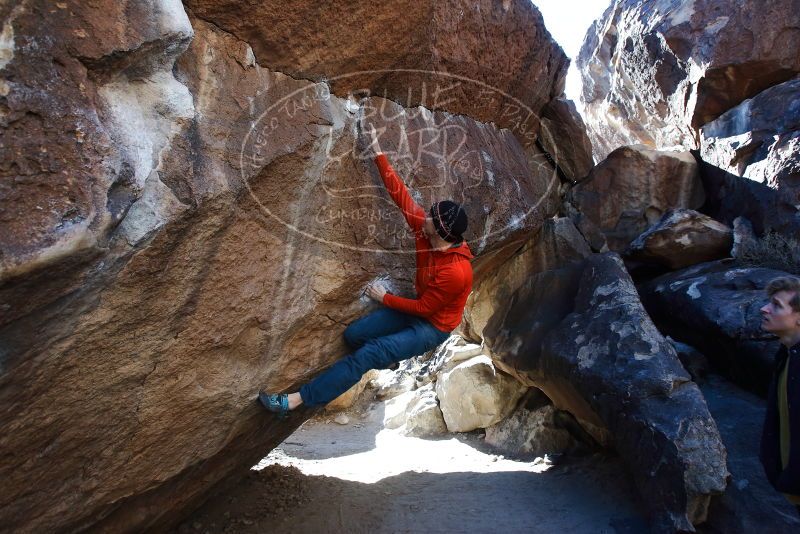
[600,357]
[715,308]
[455,350]
[396,410]
[682,237]
[434,54]
[633,187]
[750,503]
[423,416]
[760,140]
[632,378]
[529,433]
[474,394]
[389,384]
[416,413]
[729,196]
[206,228]
[556,244]
[743,237]
[590,232]
[654,71]
[563,136]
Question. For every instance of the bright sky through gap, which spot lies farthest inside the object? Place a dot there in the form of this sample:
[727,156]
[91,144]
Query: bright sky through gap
[567,21]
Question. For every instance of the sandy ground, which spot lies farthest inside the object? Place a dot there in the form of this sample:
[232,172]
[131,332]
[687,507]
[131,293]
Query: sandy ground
[360,477]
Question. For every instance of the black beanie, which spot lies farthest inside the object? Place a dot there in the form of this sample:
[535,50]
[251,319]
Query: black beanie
[450,220]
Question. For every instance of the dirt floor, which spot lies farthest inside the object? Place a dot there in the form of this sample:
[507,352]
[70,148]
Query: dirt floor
[360,477]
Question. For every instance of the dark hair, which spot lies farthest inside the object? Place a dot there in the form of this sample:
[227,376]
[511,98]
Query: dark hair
[786,283]
[450,220]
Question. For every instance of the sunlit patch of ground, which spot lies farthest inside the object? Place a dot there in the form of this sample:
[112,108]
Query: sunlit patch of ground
[360,477]
[363,451]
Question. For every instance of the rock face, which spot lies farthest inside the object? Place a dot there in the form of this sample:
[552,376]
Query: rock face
[654,71]
[760,140]
[602,359]
[429,53]
[633,187]
[564,137]
[473,394]
[729,197]
[714,307]
[182,226]
[681,238]
[557,243]
[670,440]
[78,153]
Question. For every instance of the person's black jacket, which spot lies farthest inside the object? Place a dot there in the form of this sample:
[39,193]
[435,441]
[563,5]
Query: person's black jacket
[784,480]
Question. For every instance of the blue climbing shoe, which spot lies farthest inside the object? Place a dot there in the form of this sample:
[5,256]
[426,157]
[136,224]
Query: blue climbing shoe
[275,402]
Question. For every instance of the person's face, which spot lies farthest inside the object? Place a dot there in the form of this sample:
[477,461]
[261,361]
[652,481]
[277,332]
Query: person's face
[778,317]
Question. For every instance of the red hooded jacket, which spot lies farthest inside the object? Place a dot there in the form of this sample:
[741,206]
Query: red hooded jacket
[444,278]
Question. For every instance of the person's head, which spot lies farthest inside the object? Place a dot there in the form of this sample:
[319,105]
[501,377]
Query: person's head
[781,315]
[446,222]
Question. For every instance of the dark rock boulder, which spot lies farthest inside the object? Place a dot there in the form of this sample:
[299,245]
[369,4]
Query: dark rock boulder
[682,237]
[612,354]
[715,308]
[692,360]
[633,187]
[729,196]
[760,140]
[579,333]
[557,244]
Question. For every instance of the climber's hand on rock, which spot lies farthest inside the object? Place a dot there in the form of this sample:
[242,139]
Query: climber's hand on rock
[373,137]
[376,291]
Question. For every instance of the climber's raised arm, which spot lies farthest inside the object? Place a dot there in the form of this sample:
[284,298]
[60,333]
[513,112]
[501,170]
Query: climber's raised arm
[413,213]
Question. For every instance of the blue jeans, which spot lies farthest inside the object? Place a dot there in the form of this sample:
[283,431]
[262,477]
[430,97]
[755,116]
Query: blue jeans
[379,339]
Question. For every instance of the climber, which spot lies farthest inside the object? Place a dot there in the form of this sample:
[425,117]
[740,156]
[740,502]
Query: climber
[780,438]
[403,327]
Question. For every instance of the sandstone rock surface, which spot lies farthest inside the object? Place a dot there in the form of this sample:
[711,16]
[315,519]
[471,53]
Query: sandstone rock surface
[434,54]
[77,154]
[633,187]
[682,237]
[654,71]
[206,228]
